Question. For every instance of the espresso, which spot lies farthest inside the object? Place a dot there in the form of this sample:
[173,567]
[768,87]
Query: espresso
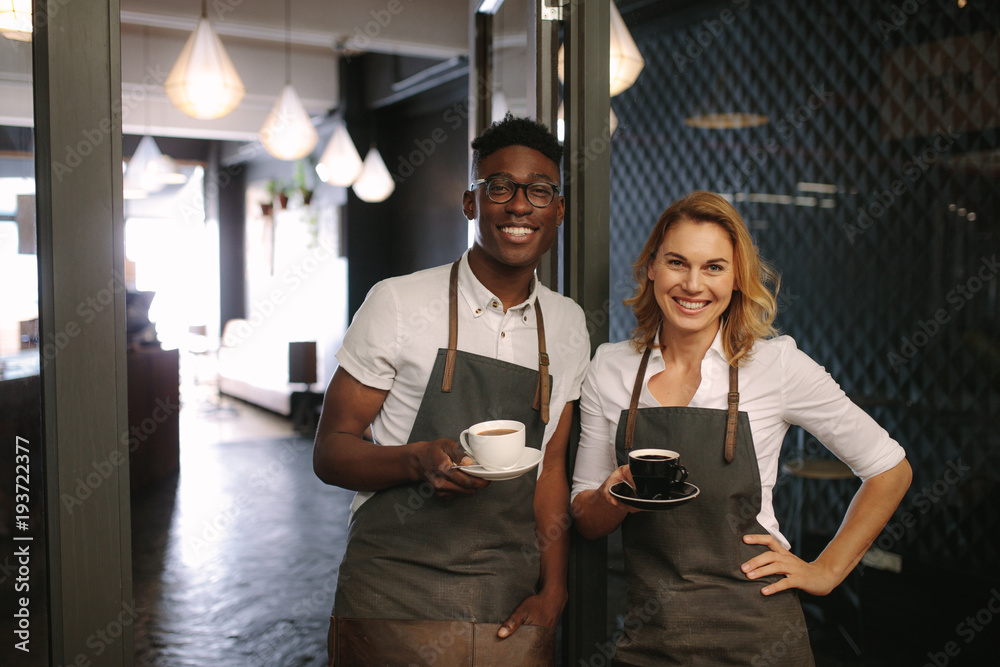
[652,457]
[498,431]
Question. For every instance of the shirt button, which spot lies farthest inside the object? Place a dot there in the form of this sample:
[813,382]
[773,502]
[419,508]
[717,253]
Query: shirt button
[525,318]
[494,304]
[502,334]
[478,310]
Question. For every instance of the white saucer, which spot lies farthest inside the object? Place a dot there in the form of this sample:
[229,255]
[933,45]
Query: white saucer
[530,459]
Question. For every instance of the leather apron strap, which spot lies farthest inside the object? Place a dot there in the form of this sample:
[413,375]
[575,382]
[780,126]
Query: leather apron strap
[449,363]
[731,413]
[633,404]
[542,391]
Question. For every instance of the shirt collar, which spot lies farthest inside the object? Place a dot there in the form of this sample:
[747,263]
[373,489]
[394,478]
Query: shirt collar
[715,348]
[479,299]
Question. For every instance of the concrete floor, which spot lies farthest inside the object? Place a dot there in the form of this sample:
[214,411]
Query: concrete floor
[235,562]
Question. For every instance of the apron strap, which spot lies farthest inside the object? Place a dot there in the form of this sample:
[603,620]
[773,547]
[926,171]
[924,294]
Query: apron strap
[449,361]
[542,389]
[734,404]
[633,404]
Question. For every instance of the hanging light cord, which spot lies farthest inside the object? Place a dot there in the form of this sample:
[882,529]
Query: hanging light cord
[288,41]
[204,9]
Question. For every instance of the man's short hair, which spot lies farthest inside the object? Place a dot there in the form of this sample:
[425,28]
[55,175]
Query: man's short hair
[516,131]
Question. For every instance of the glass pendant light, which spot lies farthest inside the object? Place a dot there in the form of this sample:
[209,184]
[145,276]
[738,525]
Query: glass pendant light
[15,19]
[340,163]
[145,171]
[374,184]
[203,83]
[150,170]
[288,132]
[626,60]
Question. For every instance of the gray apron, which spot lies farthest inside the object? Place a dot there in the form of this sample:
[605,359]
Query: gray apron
[688,601]
[471,559]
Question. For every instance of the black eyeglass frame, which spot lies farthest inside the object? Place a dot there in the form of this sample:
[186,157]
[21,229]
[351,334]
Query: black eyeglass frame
[513,192]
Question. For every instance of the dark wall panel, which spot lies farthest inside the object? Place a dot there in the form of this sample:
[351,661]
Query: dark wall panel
[889,280]
[424,143]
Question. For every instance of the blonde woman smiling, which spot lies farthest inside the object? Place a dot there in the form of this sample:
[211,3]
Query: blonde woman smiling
[705,375]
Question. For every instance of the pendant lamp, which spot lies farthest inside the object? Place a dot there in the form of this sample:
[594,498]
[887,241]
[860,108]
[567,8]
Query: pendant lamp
[150,170]
[15,19]
[374,184]
[203,83]
[340,163]
[288,133]
[626,60]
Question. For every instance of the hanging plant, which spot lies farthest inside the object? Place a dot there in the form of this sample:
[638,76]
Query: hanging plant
[302,181]
[278,193]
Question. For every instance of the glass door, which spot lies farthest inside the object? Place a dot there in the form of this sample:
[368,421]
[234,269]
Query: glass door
[24,588]
[515,49]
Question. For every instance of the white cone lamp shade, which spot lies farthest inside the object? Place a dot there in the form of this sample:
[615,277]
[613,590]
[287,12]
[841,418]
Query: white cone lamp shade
[146,170]
[626,61]
[288,133]
[374,184]
[15,19]
[203,82]
[340,163]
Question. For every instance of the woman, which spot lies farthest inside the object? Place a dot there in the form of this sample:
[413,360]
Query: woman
[711,579]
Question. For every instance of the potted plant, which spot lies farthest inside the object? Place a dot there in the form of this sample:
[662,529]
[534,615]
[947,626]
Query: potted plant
[302,181]
[278,193]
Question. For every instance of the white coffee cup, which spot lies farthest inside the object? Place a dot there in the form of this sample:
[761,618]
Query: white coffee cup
[496,444]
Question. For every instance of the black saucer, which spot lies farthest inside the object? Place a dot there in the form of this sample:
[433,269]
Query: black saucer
[625,493]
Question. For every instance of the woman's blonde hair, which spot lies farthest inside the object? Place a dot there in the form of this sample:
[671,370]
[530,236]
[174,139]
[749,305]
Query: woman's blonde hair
[751,311]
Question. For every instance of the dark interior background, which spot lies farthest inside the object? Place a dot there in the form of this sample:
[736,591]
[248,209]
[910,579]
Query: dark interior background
[890,282]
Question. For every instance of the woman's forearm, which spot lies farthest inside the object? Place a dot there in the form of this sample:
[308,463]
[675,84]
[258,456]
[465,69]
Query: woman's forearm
[869,512]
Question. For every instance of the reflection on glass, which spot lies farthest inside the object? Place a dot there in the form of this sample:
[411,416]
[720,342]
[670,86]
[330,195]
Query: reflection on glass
[23,573]
[509,60]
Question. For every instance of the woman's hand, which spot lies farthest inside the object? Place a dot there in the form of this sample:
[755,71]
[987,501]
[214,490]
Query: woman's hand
[813,578]
[621,474]
[598,512]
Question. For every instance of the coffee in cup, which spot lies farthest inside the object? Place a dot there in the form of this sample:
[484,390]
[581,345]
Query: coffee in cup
[496,444]
[656,472]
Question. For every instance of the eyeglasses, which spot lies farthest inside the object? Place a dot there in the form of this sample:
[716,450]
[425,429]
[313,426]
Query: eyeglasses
[501,190]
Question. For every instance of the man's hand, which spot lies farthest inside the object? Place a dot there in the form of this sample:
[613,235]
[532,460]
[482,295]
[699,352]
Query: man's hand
[540,609]
[435,462]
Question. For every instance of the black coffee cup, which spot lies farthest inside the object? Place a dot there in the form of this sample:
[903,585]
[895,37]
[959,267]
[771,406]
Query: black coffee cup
[656,472]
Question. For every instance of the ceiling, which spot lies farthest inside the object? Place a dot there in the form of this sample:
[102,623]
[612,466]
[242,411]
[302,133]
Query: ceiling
[253,33]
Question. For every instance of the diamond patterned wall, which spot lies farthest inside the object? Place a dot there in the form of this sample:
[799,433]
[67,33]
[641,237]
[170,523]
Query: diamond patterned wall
[890,280]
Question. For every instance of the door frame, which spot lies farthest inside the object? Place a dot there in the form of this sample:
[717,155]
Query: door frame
[76,60]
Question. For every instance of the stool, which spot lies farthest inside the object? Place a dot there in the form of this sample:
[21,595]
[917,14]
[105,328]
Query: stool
[822,469]
[801,470]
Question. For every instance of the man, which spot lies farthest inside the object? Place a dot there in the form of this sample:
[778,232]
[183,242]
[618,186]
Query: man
[441,565]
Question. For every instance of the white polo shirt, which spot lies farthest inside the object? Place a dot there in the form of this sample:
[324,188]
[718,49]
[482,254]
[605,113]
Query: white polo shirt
[779,386]
[392,342]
